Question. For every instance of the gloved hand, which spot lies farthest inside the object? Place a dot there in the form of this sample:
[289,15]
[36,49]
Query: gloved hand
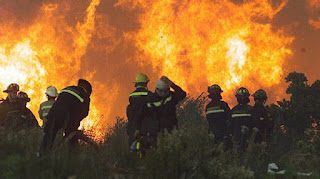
[166,79]
[137,134]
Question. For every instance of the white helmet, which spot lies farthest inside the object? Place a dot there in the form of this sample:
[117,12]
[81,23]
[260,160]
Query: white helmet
[52,91]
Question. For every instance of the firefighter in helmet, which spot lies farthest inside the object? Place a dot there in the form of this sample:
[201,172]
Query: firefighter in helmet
[71,107]
[241,120]
[261,117]
[136,99]
[160,112]
[10,103]
[21,117]
[52,94]
[217,112]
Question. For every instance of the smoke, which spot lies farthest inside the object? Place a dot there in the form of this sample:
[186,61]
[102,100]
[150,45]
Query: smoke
[314,6]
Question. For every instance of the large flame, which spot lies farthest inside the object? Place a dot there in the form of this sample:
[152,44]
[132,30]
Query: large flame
[198,43]
[49,52]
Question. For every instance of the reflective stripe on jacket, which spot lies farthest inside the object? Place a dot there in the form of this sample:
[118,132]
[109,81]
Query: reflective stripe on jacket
[74,93]
[45,108]
[240,115]
[138,94]
[159,103]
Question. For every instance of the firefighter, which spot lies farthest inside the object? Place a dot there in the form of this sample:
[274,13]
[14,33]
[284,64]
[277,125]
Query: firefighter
[261,117]
[52,94]
[159,112]
[217,112]
[136,98]
[45,107]
[10,102]
[67,112]
[241,120]
[21,117]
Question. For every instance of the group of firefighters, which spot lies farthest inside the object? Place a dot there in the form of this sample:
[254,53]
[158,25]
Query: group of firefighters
[152,113]
[149,113]
[64,110]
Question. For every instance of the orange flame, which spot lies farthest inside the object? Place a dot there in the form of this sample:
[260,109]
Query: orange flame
[198,43]
[49,52]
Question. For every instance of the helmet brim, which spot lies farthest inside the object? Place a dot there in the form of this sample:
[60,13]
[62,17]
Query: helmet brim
[8,91]
[52,96]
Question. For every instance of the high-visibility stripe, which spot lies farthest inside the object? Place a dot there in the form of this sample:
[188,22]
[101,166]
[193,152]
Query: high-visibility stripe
[73,93]
[167,99]
[215,111]
[138,145]
[46,107]
[138,94]
[158,103]
[240,115]
[261,118]
[213,108]
[14,111]
[155,104]
[45,114]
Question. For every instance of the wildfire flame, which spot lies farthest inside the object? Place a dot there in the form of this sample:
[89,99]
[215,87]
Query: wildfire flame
[198,43]
[42,56]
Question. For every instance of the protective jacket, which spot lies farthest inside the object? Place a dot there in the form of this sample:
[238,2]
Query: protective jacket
[136,99]
[241,123]
[263,121]
[44,110]
[5,107]
[217,113]
[160,113]
[20,118]
[71,107]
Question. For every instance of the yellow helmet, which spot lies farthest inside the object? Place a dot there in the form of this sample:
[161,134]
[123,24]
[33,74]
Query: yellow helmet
[141,78]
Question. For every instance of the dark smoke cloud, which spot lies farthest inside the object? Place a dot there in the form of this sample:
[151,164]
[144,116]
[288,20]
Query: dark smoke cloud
[23,12]
[306,57]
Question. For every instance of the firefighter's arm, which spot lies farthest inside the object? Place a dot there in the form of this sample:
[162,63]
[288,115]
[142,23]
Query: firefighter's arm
[40,113]
[33,119]
[229,123]
[179,93]
[86,108]
[140,112]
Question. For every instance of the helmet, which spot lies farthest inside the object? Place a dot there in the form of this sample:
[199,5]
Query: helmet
[22,96]
[52,91]
[242,92]
[260,94]
[13,87]
[141,78]
[86,84]
[214,89]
